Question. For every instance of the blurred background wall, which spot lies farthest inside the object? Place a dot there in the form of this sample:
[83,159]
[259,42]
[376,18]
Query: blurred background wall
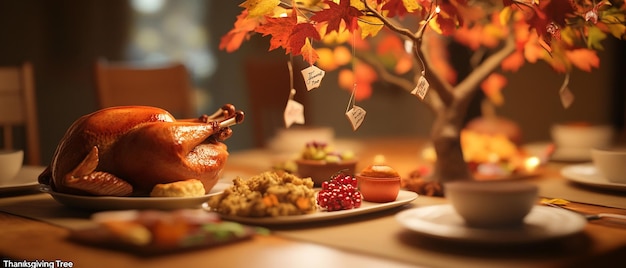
[63,38]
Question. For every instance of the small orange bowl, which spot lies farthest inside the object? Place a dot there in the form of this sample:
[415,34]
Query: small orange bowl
[321,170]
[379,190]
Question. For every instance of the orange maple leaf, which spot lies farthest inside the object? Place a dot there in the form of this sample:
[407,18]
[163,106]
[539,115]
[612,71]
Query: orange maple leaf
[287,33]
[492,86]
[308,53]
[584,59]
[513,62]
[363,76]
[279,28]
[240,32]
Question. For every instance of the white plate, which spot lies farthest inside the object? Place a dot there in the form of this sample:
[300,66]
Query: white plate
[404,197]
[121,203]
[26,179]
[542,223]
[588,175]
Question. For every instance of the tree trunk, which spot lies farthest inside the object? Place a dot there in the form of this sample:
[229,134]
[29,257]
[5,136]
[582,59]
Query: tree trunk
[446,137]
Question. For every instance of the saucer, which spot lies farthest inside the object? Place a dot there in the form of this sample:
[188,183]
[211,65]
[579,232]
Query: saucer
[26,179]
[588,174]
[542,223]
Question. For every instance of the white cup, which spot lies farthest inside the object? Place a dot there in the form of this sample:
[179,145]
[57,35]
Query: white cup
[492,204]
[581,136]
[610,163]
[10,164]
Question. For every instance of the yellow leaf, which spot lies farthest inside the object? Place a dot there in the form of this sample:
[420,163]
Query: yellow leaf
[435,26]
[309,3]
[370,26]
[555,201]
[595,37]
[505,15]
[411,5]
[258,8]
[617,30]
[358,4]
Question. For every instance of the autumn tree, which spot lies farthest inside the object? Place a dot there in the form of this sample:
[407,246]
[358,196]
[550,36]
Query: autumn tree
[411,48]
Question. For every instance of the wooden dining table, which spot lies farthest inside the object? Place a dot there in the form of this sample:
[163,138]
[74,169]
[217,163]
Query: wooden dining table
[34,228]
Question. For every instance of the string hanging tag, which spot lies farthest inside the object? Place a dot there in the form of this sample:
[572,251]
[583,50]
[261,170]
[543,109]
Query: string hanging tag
[355,114]
[421,89]
[312,77]
[294,111]
[567,97]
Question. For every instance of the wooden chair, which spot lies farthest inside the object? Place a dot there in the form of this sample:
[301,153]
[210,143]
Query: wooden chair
[18,109]
[165,86]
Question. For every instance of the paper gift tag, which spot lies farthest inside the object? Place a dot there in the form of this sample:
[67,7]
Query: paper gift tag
[294,113]
[356,115]
[422,88]
[312,77]
[567,97]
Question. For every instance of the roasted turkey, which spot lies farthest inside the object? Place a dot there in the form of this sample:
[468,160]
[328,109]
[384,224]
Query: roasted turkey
[127,150]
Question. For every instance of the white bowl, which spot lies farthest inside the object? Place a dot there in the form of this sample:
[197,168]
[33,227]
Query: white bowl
[10,164]
[489,204]
[610,163]
[581,136]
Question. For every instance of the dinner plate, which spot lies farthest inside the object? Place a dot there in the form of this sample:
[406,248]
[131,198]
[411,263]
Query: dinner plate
[587,174]
[122,203]
[542,223]
[404,197]
[26,179]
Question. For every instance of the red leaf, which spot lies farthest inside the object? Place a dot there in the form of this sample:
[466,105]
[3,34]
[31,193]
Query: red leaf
[395,7]
[299,35]
[335,13]
[549,17]
[557,10]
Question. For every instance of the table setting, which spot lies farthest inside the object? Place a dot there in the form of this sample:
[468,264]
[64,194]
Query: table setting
[412,229]
[196,197]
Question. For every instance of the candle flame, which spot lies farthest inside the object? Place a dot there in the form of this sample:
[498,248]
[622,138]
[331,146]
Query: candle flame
[532,163]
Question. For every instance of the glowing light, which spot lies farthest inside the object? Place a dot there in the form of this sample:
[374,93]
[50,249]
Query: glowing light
[437,9]
[531,163]
[147,6]
[408,46]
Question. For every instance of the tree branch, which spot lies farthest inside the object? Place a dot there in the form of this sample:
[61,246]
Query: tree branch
[385,75]
[436,81]
[400,30]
